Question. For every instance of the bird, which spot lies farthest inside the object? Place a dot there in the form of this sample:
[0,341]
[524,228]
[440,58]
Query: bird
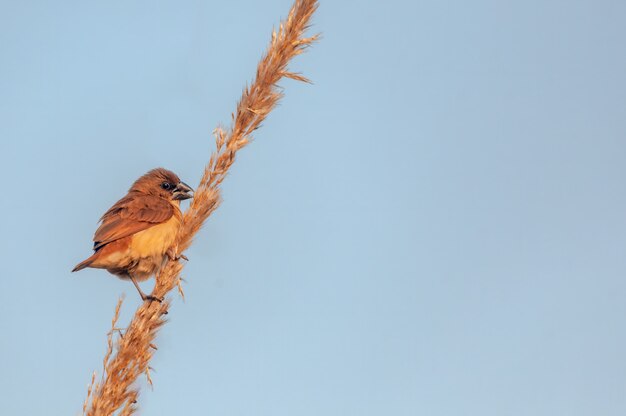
[137,234]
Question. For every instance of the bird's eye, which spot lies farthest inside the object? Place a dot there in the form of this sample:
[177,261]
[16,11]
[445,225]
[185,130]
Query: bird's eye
[166,185]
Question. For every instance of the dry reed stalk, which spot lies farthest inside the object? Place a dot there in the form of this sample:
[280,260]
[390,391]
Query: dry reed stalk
[130,356]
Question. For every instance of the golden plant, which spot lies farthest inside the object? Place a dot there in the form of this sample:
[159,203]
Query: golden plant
[129,357]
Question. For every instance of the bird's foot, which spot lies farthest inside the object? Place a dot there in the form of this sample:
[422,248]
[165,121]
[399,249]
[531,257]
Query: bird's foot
[151,298]
[175,257]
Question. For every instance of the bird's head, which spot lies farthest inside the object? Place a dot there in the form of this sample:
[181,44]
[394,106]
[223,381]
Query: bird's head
[164,184]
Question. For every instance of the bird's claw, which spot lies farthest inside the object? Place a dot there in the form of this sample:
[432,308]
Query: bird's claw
[152,298]
[175,257]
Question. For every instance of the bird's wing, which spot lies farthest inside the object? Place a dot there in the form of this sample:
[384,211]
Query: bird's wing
[129,215]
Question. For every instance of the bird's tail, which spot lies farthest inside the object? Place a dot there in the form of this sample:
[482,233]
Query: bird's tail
[83,264]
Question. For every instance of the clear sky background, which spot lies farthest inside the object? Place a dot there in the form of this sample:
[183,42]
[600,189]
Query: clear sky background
[435,227]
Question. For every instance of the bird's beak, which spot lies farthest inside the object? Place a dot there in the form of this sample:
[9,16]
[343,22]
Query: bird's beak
[182,191]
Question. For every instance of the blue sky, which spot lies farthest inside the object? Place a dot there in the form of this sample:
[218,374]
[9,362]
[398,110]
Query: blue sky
[435,227]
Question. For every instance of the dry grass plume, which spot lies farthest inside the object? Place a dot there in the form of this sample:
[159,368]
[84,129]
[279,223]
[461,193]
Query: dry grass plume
[129,353]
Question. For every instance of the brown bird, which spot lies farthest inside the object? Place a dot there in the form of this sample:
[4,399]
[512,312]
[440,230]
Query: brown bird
[138,232]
